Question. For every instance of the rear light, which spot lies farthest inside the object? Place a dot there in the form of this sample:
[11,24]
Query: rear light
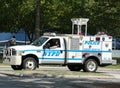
[110,37]
[85,54]
[97,38]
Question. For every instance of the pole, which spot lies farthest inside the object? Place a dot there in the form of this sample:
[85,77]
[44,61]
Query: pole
[86,30]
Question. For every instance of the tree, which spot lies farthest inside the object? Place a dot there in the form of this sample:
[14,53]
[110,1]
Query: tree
[103,15]
[9,10]
[27,17]
[55,16]
[37,20]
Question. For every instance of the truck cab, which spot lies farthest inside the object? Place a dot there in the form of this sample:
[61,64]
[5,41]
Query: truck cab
[42,51]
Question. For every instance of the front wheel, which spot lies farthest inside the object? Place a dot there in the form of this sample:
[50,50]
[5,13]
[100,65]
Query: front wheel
[29,63]
[90,66]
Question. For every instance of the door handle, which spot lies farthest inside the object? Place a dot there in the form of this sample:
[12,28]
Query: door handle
[61,51]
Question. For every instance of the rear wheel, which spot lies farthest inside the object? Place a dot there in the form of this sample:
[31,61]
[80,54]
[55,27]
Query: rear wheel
[90,66]
[16,67]
[29,63]
[75,67]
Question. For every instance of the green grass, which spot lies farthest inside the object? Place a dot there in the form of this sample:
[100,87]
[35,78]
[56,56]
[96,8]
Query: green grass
[114,66]
[117,66]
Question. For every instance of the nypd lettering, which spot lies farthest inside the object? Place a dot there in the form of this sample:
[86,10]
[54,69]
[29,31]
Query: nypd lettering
[51,53]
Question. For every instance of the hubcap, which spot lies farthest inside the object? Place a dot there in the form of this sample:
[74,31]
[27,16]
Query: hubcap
[30,65]
[91,66]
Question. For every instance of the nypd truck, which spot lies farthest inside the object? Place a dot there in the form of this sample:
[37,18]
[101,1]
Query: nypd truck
[76,51]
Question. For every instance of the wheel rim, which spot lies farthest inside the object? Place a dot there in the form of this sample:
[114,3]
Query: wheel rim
[30,65]
[91,66]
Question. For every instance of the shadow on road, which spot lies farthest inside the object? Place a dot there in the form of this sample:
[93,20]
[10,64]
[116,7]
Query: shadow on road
[44,81]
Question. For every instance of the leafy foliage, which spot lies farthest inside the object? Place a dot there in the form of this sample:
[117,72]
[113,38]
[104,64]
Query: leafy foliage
[55,15]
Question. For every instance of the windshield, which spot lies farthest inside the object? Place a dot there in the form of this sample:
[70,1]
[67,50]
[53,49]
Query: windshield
[39,41]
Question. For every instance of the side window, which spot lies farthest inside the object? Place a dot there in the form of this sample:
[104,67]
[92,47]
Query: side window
[54,43]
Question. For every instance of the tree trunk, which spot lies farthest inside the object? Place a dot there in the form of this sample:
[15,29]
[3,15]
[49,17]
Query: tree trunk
[37,21]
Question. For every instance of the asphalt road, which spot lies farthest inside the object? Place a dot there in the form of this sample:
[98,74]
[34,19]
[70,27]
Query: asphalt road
[34,79]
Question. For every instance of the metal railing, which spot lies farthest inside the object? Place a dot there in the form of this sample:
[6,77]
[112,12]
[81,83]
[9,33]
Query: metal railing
[6,43]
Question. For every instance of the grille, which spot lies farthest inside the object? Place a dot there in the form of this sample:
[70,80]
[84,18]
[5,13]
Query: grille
[10,52]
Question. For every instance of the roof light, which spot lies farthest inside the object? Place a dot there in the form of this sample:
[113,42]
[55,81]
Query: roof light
[49,34]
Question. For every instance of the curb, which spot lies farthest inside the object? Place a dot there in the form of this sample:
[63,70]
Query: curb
[11,74]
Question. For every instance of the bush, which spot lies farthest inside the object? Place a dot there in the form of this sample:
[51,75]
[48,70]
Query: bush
[118,60]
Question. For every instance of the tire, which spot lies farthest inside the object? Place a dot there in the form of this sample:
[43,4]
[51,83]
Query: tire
[90,66]
[74,67]
[16,67]
[29,63]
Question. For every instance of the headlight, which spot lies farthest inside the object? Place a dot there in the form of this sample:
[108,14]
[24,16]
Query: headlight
[20,53]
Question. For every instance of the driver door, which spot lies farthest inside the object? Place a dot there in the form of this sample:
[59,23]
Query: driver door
[52,53]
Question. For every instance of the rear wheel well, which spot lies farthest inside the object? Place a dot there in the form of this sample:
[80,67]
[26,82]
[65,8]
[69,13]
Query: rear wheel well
[94,58]
[91,64]
[33,56]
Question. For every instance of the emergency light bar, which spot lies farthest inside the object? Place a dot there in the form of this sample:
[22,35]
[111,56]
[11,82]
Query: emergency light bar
[49,34]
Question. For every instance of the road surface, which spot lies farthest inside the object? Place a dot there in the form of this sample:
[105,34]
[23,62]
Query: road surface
[41,79]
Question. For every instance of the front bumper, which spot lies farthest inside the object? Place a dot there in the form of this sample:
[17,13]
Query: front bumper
[12,60]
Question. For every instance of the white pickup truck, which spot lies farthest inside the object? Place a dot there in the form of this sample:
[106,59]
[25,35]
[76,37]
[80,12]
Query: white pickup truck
[74,50]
